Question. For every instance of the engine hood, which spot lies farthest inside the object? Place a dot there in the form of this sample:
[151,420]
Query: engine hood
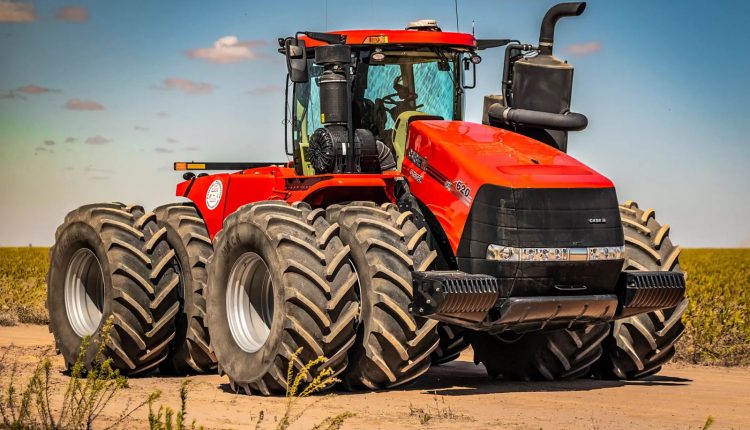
[479,154]
[447,163]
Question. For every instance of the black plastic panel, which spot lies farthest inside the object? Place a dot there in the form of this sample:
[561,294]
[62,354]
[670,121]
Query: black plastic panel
[547,217]
[647,291]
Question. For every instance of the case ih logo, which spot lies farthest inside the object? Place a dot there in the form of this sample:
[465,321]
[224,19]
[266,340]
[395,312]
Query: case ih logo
[417,159]
[597,220]
[417,177]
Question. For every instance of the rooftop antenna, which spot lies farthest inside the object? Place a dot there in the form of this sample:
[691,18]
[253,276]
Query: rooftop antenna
[472,27]
[455,2]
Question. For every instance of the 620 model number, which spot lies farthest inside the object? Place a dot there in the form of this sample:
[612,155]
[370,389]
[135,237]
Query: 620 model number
[462,188]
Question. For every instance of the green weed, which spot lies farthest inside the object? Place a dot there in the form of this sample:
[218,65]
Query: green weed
[88,393]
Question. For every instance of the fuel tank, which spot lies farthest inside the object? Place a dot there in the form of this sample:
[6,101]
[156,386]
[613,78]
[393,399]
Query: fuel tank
[489,186]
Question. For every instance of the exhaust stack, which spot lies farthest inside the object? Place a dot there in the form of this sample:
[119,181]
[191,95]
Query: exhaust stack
[547,32]
[537,89]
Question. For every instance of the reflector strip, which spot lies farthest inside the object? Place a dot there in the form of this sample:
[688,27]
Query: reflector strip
[595,253]
[376,39]
[192,165]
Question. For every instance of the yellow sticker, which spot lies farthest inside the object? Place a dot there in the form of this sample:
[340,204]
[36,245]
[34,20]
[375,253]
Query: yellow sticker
[322,117]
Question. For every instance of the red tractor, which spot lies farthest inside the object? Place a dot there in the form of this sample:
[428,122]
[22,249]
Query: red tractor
[398,235]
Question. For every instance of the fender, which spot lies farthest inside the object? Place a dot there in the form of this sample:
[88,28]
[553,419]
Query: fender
[447,161]
[217,196]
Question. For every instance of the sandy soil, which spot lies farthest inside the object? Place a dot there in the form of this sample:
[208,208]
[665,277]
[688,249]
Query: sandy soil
[457,395]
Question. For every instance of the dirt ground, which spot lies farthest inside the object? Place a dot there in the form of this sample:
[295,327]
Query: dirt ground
[456,395]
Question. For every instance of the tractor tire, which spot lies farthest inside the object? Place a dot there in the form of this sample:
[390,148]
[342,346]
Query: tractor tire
[641,344]
[279,280]
[111,261]
[393,348]
[452,342]
[187,235]
[540,356]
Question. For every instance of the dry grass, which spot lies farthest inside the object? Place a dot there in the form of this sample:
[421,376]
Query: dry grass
[165,417]
[305,383]
[40,405]
[439,410]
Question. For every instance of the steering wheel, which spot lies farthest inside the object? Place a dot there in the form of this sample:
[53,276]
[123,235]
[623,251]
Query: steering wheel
[407,97]
[402,92]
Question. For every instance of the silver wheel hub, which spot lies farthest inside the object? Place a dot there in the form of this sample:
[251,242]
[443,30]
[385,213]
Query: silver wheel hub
[84,292]
[250,306]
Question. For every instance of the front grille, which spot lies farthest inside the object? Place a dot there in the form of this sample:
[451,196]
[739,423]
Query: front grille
[543,218]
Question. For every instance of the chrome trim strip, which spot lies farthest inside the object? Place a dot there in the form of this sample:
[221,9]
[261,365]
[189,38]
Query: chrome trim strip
[594,253]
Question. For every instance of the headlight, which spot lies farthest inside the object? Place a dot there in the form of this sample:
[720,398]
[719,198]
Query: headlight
[509,253]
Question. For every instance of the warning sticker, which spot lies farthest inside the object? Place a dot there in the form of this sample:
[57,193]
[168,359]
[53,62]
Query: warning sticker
[213,195]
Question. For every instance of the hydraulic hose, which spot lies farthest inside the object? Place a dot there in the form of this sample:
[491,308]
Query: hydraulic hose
[570,121]
[385,157]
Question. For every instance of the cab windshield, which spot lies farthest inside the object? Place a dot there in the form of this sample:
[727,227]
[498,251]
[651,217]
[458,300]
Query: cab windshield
[387,84]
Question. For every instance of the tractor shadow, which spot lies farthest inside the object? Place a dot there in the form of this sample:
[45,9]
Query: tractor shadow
[464,378]
[461,378]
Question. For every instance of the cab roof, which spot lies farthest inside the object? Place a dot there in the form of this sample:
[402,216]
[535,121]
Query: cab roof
[400,37]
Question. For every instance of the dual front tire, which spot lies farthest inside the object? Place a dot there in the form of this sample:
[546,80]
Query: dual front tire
[290,284]
[282,291]
[630,348]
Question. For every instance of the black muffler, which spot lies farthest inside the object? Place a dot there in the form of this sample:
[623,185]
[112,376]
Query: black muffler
[537,89]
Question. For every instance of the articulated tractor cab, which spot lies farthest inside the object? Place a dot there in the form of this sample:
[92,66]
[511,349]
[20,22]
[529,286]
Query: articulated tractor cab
[397,235]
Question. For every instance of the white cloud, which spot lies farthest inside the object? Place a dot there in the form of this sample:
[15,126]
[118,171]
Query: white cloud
[72,14]
[97,140]
[11,11]
[584,48]
[185,85]
[227,50]
[78,104]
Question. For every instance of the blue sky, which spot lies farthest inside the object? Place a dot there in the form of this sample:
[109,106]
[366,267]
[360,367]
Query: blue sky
[132,86]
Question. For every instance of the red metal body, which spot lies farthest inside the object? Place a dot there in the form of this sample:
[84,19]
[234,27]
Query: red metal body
[281,183]
[400,37]
[460,157]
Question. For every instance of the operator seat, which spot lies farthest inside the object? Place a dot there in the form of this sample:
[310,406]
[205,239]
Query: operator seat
[401,132]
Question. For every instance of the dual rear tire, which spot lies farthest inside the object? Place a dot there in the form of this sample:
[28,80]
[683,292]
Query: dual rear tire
[186,234]
[112,262]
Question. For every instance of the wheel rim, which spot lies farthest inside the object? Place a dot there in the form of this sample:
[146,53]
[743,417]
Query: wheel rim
[84,292]
[250,306]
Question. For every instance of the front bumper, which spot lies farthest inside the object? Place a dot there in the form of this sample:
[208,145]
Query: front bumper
[477,302]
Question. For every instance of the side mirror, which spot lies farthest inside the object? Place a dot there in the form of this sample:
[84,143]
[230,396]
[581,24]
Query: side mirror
[470,63]
[296,60]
